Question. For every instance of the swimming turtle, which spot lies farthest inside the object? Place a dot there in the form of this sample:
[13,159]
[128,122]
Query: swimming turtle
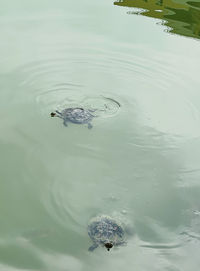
[76,115]
[106,231]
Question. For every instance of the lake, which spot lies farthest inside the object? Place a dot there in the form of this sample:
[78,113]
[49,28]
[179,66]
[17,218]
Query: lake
[135,65]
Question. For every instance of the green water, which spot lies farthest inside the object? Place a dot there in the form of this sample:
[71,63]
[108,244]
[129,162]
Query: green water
[139,163]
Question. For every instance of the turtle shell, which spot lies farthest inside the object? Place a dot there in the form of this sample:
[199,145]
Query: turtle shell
[104,229]
[77,115]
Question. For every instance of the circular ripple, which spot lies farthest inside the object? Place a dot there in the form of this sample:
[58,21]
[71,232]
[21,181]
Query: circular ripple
[156,101]
[64,98]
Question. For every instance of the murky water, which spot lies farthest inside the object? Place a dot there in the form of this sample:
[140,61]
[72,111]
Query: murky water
[140,161]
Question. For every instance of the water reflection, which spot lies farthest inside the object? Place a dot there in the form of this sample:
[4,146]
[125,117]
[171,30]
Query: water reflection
[182,18]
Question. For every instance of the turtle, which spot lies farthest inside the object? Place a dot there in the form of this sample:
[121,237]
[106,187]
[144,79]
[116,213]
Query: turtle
[76,115]
[105,231]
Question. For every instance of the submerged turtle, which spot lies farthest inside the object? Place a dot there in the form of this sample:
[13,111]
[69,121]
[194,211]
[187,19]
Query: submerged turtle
[105,231]
[76,115]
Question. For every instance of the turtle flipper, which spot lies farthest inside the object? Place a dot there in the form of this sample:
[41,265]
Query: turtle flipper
[90,125]
[93,247]
[65,123]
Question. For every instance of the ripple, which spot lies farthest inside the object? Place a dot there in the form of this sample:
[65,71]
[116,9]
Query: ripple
[152,109]
[64,207]
[153,101]
[64,98]
[162,246]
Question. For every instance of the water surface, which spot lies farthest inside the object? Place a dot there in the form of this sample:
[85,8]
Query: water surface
[140,160]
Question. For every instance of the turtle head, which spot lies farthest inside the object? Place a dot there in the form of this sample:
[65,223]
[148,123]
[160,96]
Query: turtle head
[53,114]
[56,114]
[108,245]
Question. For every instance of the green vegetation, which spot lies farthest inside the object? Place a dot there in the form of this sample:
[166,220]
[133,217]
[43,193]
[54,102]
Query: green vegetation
[182,18]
